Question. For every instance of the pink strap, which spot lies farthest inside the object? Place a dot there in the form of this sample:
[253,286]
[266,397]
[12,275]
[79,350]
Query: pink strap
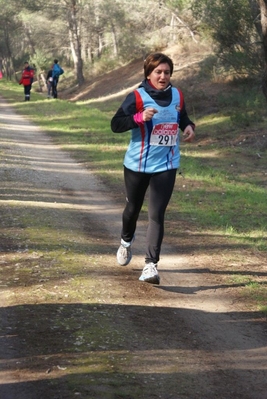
[138,118]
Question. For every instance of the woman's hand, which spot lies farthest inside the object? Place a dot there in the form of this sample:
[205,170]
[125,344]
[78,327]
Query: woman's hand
[148,114]
[189,134]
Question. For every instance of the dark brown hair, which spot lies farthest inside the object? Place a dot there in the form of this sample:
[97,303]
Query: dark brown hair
[153,60]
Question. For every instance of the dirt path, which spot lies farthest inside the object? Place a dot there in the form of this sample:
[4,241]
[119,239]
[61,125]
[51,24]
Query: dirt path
[78,325]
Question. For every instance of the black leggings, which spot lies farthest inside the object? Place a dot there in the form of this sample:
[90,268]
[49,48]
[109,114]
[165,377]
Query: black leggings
[160,190]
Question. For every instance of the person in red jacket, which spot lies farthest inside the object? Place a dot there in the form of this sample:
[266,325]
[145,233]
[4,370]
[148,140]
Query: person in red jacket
[26,80]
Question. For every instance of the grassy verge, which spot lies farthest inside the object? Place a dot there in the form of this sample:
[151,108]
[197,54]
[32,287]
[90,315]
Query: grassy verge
[222,188]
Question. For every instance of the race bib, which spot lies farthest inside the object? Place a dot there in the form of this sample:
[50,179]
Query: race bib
[164,134]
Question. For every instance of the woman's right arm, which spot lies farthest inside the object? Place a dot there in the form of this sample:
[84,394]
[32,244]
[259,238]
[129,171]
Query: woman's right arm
[123,120]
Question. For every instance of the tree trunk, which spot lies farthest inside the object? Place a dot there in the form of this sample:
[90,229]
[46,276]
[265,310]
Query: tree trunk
[28,34]
[75,43]
[115,42]
[263,9]
[6,61]
[255,13]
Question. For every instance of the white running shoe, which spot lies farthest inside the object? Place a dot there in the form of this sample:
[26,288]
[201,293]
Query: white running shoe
[124,253]
[150,274]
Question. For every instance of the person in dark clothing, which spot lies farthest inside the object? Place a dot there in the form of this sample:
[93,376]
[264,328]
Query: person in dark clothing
[49,82]
[27,80]
[154,112]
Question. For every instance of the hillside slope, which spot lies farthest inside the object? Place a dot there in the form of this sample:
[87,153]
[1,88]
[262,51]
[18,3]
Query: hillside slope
[187,65]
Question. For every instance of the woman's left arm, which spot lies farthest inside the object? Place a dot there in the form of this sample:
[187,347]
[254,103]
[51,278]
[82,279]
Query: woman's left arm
[187,126]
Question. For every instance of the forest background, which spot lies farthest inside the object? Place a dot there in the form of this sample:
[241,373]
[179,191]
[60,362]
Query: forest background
[90,37]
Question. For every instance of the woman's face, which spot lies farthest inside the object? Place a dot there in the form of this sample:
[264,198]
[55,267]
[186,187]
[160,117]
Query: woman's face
[160,76]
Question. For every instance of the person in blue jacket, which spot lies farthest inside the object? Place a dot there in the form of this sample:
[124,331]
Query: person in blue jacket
[154,112]
[56,72]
